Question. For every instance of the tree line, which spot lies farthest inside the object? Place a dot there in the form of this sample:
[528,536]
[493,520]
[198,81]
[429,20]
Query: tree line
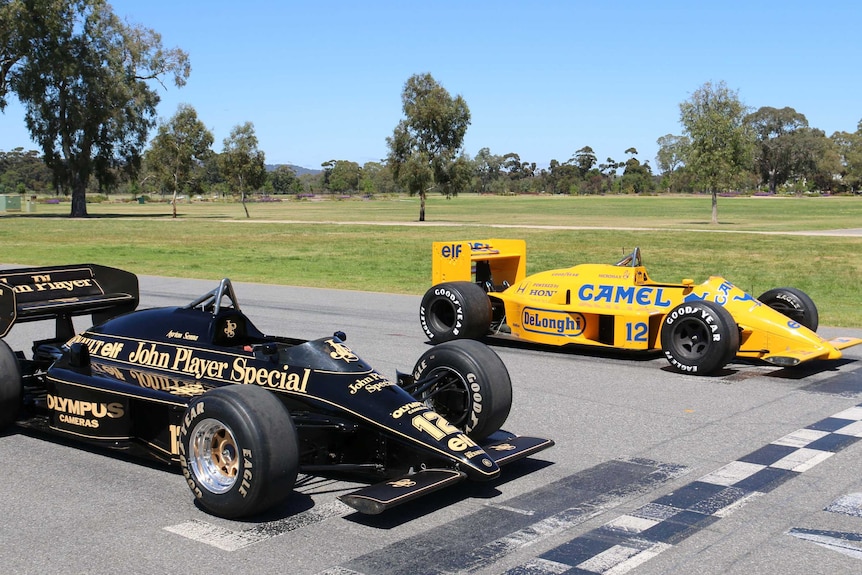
[85,79]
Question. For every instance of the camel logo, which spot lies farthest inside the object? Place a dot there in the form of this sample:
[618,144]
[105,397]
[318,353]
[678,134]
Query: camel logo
[230,328]
[403,483]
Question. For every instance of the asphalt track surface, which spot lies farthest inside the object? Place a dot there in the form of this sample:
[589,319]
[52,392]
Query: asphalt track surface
[753,471]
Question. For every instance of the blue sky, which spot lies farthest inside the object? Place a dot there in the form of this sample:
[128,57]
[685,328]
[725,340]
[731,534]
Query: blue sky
[322,80]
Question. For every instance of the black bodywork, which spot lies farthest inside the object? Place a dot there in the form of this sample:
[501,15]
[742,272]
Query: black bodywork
[127,383]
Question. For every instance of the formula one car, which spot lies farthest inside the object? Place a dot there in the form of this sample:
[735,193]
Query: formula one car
[480,288]
[240,412]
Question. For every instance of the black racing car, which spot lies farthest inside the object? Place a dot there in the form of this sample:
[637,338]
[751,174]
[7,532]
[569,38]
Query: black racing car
[241,412]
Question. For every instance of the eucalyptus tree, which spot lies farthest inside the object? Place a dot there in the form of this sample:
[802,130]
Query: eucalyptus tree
[284,181]
[83,77]
[585,159]
[341,175]
[672,152]
[780,150]
[714,120]
[425,146]
[488,168]
[181,145]
[849,147]
[636,177]
[609,170]
[241,163]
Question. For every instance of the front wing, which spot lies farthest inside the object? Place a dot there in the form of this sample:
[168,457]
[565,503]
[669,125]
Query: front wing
[379,497]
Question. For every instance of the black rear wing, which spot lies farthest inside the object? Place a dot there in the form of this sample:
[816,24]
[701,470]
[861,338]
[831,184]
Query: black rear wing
[62,292]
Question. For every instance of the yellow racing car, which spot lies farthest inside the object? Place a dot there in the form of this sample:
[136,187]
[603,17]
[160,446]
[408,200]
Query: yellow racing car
[481,288]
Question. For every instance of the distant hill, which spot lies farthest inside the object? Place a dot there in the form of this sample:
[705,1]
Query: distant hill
[299,170]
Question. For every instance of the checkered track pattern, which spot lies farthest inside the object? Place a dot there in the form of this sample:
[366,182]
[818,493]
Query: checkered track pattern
[629,540]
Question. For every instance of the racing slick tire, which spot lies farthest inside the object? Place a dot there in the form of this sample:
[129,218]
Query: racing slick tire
[238,450]
[11,386]
[699,337]
[793,303]
[455,310]
[470,386]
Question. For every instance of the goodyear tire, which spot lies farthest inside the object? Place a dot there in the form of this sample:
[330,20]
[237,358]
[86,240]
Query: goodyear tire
[699,337]
[793,303]
[455,310]
[10,386]
[468,384]
[238,450]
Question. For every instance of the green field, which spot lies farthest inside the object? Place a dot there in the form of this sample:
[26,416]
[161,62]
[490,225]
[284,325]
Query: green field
[378,245]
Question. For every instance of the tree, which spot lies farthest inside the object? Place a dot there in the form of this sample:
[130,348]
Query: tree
[341,175]
[426,142]
[636,177]
[284,180]
[721,140]
[672,152]
[241,162]
[488,168]
[849,147]
[377,179]
[83,77]
[585,159]
[20,170]
[609,171]
[671,158]
[182,144]
[780,149]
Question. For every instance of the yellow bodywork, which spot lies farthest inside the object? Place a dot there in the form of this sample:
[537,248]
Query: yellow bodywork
[613,305]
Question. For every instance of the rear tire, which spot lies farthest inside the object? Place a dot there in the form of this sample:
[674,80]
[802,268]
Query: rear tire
[238,450]
[455,310]
[471,386]
[699,337]
[11,386]
[793,303]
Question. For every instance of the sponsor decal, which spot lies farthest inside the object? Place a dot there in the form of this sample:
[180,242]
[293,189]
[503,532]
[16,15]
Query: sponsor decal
[371,383]
[483,247]
[341,351]
[538,290]
[435,425]
[402,483]
[230,329]
[726,291]
[408,409]
[623,276]
[617,294]
[452,252]
[98,347]
[186,361]
[273,378]
[503,447]
[43,283]
[83,413]
[185,335]
[549,322]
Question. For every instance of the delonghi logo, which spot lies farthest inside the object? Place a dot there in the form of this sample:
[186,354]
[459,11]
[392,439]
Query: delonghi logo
[549,322]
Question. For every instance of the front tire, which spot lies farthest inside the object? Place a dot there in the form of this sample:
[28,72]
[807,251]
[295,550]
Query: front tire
[238,450]
[11,386]
[793,303]
[455,310]
[699,337]
[467,383]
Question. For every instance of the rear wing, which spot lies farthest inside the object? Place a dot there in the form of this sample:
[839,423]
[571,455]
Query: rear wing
[62,292]
[495,262]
